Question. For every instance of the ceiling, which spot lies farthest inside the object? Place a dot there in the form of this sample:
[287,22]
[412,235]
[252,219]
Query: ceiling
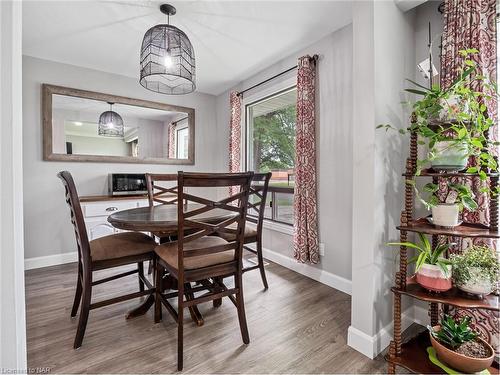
[76,104]
[232,39]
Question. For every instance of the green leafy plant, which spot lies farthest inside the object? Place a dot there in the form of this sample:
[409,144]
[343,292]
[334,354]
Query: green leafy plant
[464,195]
[481,257]
[427,255]
[466,123]
[454,333]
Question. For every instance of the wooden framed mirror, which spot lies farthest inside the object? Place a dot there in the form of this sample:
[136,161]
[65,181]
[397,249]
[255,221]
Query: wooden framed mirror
[140,131]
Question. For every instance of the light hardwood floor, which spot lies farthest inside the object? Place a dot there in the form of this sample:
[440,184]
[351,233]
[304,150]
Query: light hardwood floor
[297,326]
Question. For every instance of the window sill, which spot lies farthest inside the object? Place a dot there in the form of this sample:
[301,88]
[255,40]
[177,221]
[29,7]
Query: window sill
[277,227]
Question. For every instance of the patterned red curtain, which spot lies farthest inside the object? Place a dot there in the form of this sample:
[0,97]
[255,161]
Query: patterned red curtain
[305,239]
[472,24]
[234,135]
[171,140]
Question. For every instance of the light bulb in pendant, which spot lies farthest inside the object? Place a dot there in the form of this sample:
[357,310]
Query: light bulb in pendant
[167,60]
[110,125]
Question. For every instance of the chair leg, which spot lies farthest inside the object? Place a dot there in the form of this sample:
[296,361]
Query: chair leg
[84,312]
[241,308]
[261,263]
[78,293]
[140,274]
[217,302]
[150,267]
[180,329]
[158,290]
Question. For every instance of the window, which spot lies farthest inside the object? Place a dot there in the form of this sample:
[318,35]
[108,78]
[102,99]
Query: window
[270,147]
[182,137]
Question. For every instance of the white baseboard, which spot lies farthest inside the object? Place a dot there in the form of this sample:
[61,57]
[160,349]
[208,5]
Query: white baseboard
[371,346]
[314,273]
[50,260]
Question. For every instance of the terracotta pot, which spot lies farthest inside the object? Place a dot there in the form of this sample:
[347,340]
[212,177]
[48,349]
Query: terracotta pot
[433,278]
[458,361]
[445,215]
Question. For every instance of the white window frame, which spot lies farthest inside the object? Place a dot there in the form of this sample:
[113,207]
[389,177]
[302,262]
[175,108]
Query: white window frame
[255,97]
[177,142]
[261,94]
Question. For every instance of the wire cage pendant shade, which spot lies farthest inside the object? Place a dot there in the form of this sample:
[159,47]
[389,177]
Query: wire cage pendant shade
[110,124]
[167,59]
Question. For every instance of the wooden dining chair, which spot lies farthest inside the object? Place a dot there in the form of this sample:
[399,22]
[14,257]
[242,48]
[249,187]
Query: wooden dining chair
[255,215]
[161,194]
[200,257]
[106,252]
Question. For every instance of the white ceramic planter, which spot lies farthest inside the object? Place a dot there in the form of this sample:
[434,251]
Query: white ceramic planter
[432,277]
[445,215]
[450,156]
[478,283]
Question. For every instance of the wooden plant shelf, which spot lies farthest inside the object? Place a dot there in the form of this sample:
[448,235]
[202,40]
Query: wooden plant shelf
[452,297]
[414,357]
[465,230]
[432,173]
[413,354]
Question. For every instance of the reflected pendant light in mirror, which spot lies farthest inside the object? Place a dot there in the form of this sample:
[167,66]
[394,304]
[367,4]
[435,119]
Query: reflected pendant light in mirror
[111,123]
[167,58]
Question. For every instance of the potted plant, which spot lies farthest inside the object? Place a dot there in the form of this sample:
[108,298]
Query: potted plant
[453,122]
[459,346]
[449,155]
[445,213]
[433,272]
[476,270]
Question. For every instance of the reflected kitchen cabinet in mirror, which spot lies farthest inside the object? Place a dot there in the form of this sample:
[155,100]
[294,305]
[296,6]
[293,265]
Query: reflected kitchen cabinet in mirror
[88,126]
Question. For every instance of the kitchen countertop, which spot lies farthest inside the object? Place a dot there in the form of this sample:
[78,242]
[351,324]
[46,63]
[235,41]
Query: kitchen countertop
[100,198]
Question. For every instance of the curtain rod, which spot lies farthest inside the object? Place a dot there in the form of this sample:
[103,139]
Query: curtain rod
[314,58]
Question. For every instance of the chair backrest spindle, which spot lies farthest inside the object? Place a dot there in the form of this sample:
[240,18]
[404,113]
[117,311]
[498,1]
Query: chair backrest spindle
[73,201]
[161,194]
[257,199]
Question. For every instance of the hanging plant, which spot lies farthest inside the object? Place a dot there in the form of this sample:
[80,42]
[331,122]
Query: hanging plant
[453,122]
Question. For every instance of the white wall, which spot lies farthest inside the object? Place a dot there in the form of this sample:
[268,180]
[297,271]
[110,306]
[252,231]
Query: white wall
[98,145]
[149,132]
[334,147]
[47,227]
[12,308]
[384,56]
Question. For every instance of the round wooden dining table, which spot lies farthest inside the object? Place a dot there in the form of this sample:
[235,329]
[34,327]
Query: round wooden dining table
[163,218]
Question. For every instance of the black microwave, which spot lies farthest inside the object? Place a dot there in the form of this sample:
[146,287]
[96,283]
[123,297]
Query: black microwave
[127,184]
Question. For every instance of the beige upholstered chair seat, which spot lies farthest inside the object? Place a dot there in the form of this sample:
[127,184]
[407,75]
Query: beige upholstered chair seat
[169,253]
[121,245]
[249,232]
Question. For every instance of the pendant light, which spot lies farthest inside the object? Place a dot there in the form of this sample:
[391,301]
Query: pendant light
[111,123]
[167,58]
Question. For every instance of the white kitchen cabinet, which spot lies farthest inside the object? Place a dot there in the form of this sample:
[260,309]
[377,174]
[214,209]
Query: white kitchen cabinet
[97,209]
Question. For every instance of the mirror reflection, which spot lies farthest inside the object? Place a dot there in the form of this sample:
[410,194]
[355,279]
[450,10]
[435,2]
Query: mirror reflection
[82,126]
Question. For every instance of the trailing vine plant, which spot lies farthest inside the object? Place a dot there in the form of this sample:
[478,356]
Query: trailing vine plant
[458,114]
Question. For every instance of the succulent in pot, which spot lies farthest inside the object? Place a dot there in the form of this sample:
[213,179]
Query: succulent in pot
[476,270]
[445,213]
[459,346]
[433,272]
